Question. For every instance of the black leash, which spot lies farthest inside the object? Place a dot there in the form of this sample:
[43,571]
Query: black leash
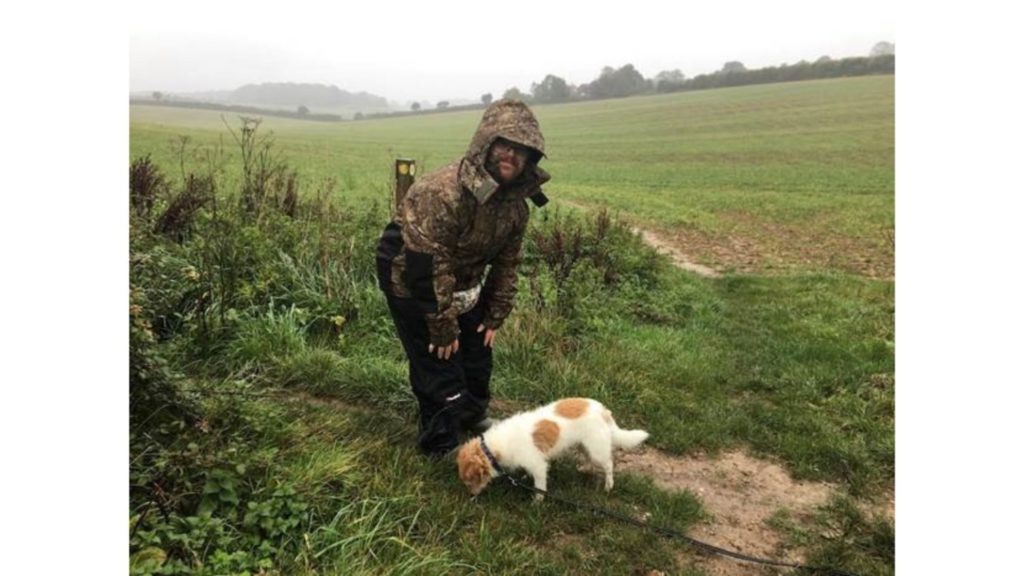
[669,533]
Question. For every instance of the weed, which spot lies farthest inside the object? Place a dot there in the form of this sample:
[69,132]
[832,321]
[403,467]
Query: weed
[145,184]
[178,218]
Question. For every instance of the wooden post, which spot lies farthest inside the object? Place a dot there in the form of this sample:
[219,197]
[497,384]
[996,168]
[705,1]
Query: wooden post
[405,175]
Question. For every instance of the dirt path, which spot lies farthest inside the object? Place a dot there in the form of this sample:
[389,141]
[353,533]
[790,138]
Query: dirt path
[663,246]
[681,260]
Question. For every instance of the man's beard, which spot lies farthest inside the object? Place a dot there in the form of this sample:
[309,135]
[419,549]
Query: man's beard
[492,165]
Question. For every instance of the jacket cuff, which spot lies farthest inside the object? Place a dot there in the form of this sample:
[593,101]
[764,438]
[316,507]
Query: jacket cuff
[443,331]
[492,323]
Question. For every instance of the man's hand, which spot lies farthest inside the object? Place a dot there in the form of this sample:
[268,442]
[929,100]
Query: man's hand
[488,337]
[445,352]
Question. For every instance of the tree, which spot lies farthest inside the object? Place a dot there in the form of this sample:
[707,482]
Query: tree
[358,116]
[303,110]
[442,104]
[628,80]
[733,66]
[415,106]
[823,60]
[551,89]
[613,83]
[883,49]
[670,76]
[514,93]
[486,99]
[158,96]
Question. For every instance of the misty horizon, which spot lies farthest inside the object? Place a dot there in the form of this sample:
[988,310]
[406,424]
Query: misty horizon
[459,50]
[225,92]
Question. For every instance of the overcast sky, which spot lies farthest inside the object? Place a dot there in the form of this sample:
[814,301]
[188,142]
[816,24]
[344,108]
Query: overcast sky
[433,50]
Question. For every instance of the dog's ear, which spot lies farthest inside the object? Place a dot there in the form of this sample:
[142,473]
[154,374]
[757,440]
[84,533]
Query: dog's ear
[468,462]
[480,471]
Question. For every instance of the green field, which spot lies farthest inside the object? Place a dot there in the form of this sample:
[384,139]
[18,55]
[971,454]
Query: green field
[799,175]
[274,329]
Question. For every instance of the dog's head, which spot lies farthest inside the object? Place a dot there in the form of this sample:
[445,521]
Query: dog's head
[474,469]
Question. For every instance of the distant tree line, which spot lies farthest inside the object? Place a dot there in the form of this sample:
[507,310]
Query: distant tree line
[627,81]
[824,67]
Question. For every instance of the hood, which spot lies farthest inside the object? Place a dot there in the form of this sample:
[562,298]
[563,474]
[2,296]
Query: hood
[511,120]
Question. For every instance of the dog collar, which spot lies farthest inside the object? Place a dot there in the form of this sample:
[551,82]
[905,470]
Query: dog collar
[490,456]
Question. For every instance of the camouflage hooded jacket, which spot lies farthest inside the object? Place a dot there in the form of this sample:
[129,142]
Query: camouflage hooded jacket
[457,220]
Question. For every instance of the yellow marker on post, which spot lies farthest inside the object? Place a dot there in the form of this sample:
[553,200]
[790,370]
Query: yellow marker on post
[405,175]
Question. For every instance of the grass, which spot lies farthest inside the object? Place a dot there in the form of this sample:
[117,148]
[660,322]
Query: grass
[503,531]
[794,362]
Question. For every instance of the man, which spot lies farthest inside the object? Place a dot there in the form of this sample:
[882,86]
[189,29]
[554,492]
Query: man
[431,262]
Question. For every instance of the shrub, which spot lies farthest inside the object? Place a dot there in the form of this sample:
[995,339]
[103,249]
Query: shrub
[563,245]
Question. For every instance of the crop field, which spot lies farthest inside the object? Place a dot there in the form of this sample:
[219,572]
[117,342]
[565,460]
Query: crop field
[797,175]
[293,448]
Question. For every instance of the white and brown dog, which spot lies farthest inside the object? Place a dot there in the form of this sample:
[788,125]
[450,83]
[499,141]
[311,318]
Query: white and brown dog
[529,440]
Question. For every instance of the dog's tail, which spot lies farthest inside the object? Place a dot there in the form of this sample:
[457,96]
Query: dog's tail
[625,439]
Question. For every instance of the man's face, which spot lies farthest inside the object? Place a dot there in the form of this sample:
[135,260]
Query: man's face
[506,160]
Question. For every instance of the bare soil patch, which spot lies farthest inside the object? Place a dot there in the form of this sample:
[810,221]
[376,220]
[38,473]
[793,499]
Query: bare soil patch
[740,493]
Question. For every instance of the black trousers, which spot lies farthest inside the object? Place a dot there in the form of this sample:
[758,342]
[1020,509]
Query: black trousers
[453,394]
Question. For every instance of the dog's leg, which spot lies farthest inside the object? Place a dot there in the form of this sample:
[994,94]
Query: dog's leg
[539,471]
[600,451]
[609,476]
